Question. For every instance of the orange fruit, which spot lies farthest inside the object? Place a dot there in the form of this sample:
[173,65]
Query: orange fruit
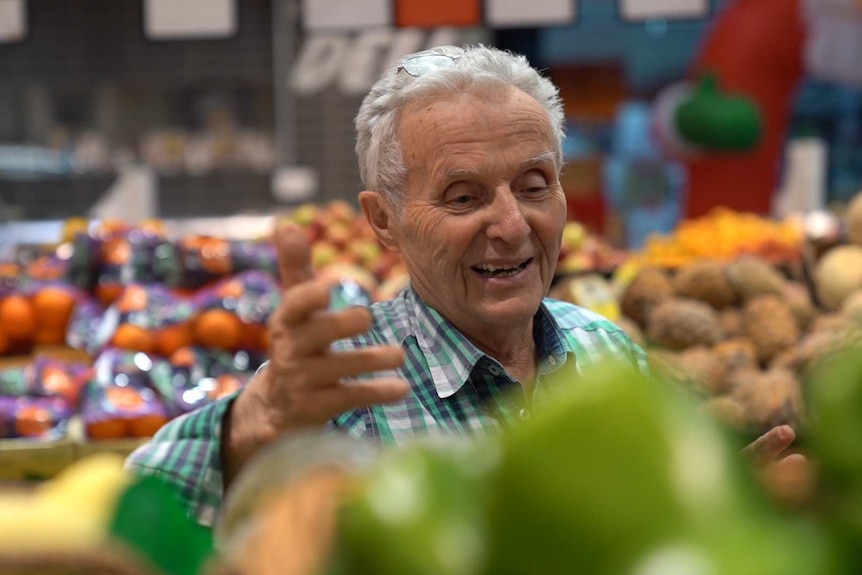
[134,298]
[108,292]
[230,288]
[183,357]
[117,252]
[33,421]
[124,398]
[49,336]
[107,429]
[255,337]
[5,344]
[58,382]
[17,318]
[133,338]
[216,258]
[146,425]
[218,328]
[172,338]
[53,307]
[226,385]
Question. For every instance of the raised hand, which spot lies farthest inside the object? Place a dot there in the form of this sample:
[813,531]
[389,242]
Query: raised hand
[301,387]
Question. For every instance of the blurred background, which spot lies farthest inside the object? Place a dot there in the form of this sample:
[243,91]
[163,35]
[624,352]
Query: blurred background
[212,108]
[147,147]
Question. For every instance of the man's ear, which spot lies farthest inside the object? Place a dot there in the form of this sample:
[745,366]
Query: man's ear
[378,213]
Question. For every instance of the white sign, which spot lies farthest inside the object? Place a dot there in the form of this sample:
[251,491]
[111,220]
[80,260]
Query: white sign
[520,13]
[345,14]
[189,19]
[834,41]
[13,20]
[355,62]
[650,9]
[295,183]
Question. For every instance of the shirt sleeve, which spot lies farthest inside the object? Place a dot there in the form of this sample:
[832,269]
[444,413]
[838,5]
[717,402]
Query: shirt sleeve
[186,453]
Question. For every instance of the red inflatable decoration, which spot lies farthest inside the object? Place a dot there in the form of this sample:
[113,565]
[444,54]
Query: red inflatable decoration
[756,49]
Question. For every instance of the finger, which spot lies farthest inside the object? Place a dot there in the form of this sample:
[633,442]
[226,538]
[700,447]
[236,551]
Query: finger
[300,302]
[294,254]
[315,336]
[337,400]
[791,480]
[329,369]
[770,445]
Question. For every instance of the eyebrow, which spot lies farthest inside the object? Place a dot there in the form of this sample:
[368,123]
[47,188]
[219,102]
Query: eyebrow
[543,158]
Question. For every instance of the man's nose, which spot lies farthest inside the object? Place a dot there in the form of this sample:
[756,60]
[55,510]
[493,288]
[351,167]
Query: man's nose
[507,219]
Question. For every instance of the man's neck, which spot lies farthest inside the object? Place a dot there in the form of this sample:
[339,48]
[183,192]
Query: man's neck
[515,350]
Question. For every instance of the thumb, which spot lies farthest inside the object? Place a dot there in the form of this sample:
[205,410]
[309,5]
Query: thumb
[294,254]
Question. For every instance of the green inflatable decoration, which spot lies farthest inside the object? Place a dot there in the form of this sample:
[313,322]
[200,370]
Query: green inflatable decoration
[719,121]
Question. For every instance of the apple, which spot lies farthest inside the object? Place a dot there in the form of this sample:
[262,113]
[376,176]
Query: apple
[365,251]
[339,234]
[341,211]
[304,215]
[578,261]
[573,235]
[323,254]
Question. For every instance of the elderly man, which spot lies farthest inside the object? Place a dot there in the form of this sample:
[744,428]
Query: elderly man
[460,154]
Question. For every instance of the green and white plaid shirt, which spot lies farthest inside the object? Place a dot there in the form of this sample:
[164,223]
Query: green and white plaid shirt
[456,390]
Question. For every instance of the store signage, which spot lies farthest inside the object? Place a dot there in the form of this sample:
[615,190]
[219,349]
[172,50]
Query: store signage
[345,14]
[189,19]
[13,20]
[670,9]
[352,62]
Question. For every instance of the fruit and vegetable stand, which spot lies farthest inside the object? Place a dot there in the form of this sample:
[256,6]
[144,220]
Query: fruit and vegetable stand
[117,328]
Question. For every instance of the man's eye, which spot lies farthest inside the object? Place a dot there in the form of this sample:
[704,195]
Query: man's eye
[462,199]
[536,190]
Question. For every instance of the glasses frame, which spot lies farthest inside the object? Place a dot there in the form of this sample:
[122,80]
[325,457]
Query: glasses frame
[409,65]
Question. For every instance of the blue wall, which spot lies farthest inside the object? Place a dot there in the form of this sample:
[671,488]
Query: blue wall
[653,53]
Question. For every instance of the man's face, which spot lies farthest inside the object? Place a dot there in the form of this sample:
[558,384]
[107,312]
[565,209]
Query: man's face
[483,211]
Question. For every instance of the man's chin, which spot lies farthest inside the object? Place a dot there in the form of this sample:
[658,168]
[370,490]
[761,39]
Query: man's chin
[509,311]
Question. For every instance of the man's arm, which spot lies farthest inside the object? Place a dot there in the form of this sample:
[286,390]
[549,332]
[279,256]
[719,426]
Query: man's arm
[187,454]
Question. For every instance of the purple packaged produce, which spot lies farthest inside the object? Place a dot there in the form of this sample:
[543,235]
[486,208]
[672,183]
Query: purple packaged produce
[84,332]
[48,268]
[34,417]
[194,377]
[120,399]
[81,256]
[251,295]
[203,260]
[259,256]
[50,377]
[13,381]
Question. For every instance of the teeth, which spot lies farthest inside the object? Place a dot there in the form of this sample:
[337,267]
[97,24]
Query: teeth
[499,271]
[490,268]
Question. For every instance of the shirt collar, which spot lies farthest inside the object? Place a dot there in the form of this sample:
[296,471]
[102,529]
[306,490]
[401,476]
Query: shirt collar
[451,357]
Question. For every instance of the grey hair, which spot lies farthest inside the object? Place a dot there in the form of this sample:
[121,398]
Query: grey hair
[381,164]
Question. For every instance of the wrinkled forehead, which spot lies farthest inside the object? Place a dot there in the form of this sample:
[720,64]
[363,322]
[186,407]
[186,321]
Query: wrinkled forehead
[457,106]
[450,132]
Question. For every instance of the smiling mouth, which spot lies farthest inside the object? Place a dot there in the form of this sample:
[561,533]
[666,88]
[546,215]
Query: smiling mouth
[490,271]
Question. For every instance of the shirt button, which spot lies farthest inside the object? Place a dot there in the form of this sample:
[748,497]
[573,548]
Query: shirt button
[494,370]
[524,414]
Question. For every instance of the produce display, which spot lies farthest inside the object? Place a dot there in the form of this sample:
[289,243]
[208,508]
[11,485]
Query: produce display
[723,235]
[742,334]
[95,517]
[618,474]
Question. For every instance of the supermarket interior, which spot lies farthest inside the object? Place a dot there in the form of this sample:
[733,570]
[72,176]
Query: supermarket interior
[201,240]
